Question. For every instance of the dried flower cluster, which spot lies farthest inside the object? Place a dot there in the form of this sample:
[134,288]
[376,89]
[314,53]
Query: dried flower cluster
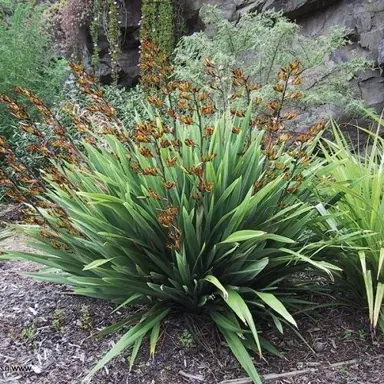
[30,186]
[194,107]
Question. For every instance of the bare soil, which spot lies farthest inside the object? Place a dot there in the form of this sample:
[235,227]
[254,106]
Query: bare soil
[337,349]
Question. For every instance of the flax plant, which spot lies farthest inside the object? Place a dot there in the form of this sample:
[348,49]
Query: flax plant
[191,211]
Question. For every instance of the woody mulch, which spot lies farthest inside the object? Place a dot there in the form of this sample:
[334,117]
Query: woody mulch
[337,348]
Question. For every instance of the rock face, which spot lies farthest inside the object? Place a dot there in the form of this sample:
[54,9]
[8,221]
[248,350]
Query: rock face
[364,18]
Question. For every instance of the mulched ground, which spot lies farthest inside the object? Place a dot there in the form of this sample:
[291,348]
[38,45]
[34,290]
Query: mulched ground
[63,352]
[10,213]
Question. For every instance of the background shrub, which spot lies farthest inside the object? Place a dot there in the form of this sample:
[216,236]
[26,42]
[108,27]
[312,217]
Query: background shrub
[129,103]
[261,43]
[27,57]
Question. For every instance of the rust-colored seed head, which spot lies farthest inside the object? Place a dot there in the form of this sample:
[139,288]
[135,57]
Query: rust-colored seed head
[185,87]
[169,184]
[254,87]
[183,105]
[141,138]
[165,143]
[203,96]
[155,101]
[208,109]
[278,87]
[189,143]
[195,196]
[208,131]
[284,138]
[171,113]
[297,81]
[144,151]
[273,105]
[185,95]
[209,63]
[294,64]
[237,112]
[290,116]
[171,161]
[149,171]
[153,194]
[166,218]
[188,120]
[238,74]
[6,182]
[198,171]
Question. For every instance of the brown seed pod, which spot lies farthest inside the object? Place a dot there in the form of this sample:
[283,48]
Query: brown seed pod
[149,171]
[169,184]
[171,161]
[144,151]
[208,109]
[188,120]
[189,143]
[208,131]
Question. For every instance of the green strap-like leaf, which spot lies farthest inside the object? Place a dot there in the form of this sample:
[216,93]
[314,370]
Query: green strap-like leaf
[135,333]
[154,339]
[96,263]
[378,303]
[240,308]
[213,280]
[241,354]
[135,351]
[276,305]
[243,236]
[225,323]
[130,300]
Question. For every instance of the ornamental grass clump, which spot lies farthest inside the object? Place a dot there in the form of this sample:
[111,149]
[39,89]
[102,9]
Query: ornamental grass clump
[355,181]
[191,211]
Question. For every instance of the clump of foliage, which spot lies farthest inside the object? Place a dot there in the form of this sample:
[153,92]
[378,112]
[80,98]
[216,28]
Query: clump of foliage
[261,43]
[57,320]
[129,103]
[356,184]
[27,59]
[186,339]
[85,319]
[161,23]
[29,334]
[191,211]
[157,24]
